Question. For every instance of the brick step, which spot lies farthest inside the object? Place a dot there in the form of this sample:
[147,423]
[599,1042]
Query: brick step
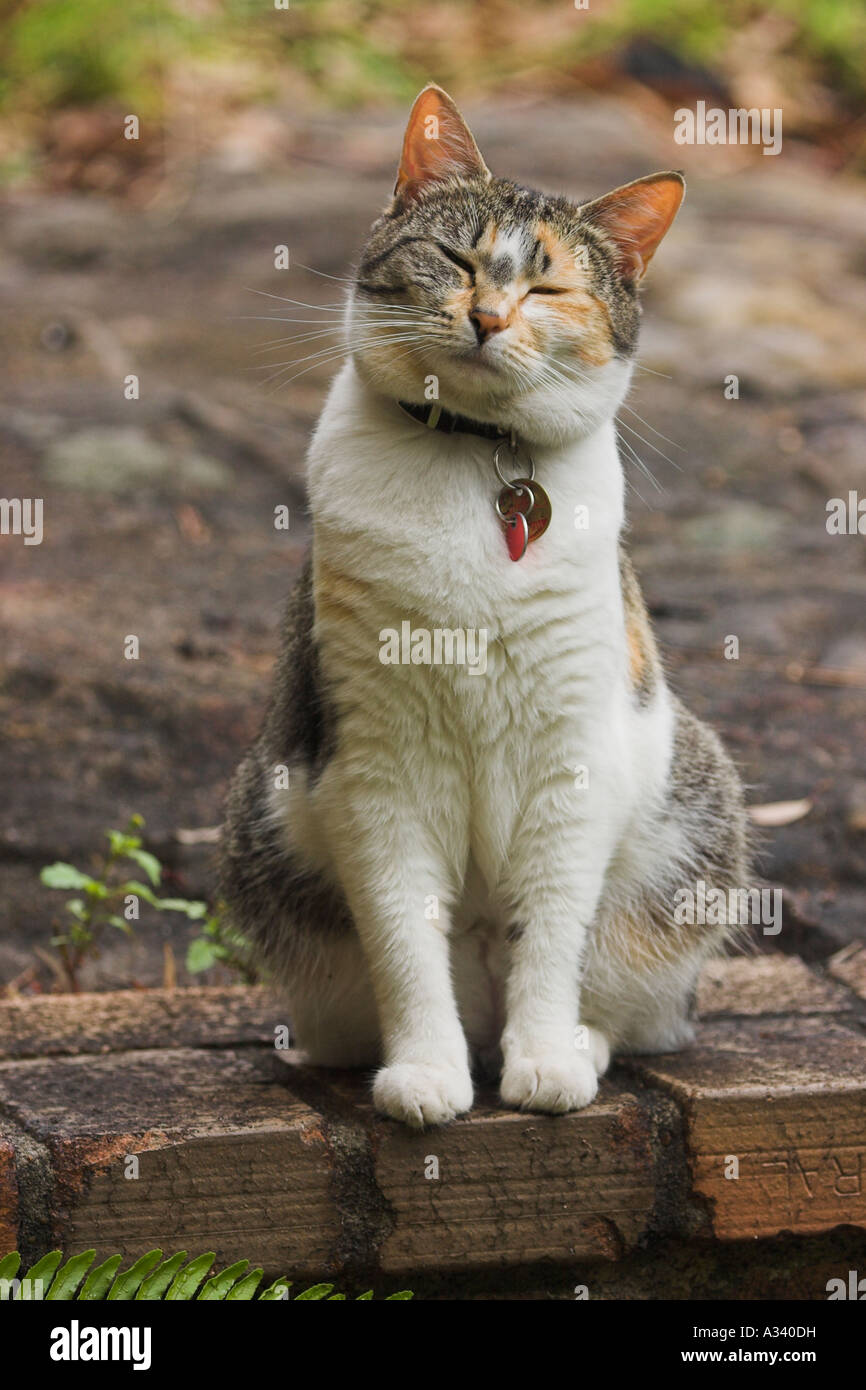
[168,1118]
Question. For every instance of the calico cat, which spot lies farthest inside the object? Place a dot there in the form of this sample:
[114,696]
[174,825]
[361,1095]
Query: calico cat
[466,863]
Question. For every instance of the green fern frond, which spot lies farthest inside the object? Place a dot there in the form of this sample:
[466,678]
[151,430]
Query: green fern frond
[127,1285]
[156,1283]
[99,1280]
[152,1278]
[65,1282]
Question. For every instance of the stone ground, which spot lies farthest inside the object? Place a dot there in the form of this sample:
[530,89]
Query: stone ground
[158,513]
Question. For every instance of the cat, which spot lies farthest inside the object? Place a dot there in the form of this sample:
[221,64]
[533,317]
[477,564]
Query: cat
[479,866]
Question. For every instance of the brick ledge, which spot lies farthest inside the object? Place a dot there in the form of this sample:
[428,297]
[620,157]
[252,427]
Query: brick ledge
[240,1152]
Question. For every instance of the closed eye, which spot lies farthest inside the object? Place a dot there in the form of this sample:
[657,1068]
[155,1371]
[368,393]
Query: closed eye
[453,257]
[546,289]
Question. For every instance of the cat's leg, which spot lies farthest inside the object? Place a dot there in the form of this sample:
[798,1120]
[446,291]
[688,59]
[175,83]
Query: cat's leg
[480,965]
[392,872]
[555,880]
[283,896]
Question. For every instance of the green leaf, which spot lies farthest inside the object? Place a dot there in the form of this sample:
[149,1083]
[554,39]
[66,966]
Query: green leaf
[364,1297]
[67,1279]
[140,890]
[337,1298]
[122,844]
[77,908]
[149,863]
[43,1269]
[186,1283]
[193,910]
[156,1283]
[61,875]
[400,1297]
[246,1287]
[126,1285]
[201,955]
[278,1292]
[217,1287]
[98,1281]
[9,1265]
[121,924]
[316,1291]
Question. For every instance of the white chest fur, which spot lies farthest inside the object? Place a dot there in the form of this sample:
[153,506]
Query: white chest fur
[406,535]
[412,512]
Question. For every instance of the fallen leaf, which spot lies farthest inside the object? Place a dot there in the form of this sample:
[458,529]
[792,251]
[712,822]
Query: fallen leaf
[207,835]
[780,812]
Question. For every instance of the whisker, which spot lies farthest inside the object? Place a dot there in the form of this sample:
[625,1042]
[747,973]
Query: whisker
[381,309]
[295,338]
[325,332]
[650,445]
[332,348]
[635,457]
[322,358]
[639,367]
[347,279]
[276,318]
[280,318]
[673,443]
[301,304]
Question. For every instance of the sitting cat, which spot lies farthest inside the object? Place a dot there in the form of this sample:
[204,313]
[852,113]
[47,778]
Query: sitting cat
[466,858]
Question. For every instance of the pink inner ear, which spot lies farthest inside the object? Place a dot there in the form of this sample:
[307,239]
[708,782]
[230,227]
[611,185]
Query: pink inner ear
[437,144]
[637,216]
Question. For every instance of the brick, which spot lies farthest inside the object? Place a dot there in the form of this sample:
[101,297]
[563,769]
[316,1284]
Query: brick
[787,1098]
[512,1188]
[849,966]
[516,1189]
[70,1024]
[229,1159]
[771,984]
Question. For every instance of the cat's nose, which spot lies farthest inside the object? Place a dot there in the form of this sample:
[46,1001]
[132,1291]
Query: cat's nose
[485,323]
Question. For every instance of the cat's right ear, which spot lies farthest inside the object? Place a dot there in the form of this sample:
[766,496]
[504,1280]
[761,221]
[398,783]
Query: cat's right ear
[438,144]
[636,217]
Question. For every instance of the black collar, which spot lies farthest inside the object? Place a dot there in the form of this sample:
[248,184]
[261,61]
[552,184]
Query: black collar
[435,417]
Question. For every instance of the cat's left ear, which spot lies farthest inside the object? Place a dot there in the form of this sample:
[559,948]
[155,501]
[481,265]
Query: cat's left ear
[438,144]
[636,217]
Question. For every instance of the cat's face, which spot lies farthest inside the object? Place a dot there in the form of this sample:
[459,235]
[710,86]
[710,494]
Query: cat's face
[504,304]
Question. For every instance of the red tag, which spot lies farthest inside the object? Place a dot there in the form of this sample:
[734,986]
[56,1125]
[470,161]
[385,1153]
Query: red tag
[517,535]
[524,510]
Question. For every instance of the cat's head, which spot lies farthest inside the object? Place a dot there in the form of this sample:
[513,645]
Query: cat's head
[510,306]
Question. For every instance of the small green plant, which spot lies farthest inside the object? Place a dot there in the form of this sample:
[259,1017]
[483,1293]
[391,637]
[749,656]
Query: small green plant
[219,943]
[110,897]
[153,1278]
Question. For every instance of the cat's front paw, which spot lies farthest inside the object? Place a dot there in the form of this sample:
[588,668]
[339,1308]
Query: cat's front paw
[422,1094]
[551,1084]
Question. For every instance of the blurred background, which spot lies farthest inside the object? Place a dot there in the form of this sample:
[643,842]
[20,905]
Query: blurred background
[261,126]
